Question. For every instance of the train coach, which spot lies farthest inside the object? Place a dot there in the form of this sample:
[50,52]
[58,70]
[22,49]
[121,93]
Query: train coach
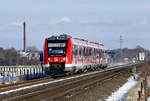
[64,54]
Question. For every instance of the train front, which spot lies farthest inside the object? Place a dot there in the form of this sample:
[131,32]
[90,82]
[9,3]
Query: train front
[55,54]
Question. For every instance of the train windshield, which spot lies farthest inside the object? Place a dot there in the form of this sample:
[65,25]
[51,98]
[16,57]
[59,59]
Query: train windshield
[57,48]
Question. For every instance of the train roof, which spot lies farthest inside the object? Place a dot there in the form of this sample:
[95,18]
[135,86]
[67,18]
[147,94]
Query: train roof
[87,44]
[81,41]
[60,37]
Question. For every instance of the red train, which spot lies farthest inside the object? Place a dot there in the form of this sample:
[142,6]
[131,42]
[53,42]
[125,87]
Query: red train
[63,54]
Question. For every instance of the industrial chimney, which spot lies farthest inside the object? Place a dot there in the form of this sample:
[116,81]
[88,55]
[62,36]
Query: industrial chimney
[24,32]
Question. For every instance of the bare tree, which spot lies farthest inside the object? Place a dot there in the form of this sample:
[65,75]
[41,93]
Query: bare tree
[32,49]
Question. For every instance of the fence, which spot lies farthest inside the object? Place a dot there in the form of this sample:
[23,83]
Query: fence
[9,74]
[144,91]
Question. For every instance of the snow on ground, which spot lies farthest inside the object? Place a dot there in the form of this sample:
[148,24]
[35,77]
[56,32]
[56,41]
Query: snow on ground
[120,94]
[117,64]
[148,99]
[1,76]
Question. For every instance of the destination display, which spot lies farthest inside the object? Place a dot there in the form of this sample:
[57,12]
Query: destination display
[56,44]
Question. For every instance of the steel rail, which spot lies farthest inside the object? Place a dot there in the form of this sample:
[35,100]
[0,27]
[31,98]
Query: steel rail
[60,90]
[36,93]
[23,84]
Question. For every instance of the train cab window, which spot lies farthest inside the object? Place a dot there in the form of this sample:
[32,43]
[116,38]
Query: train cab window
[56,48]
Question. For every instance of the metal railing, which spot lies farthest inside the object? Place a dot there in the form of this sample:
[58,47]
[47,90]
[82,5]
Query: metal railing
[11,74]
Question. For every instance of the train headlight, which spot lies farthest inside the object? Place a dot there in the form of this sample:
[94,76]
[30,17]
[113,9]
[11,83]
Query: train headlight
[50,59]
[64,59]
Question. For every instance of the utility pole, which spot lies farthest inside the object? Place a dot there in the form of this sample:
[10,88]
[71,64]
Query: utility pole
[121,41]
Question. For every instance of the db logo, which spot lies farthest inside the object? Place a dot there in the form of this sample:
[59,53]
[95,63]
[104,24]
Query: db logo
[56,59]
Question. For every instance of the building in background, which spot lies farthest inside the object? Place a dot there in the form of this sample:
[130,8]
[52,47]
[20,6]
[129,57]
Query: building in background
[141,56]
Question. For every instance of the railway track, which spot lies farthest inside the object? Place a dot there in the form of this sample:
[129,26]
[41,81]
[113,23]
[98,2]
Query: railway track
[8,87]
[47,89]
[20,84]
[61,89]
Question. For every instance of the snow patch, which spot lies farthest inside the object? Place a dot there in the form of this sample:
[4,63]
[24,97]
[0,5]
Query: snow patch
[148,99]
[120,94]
[1,76]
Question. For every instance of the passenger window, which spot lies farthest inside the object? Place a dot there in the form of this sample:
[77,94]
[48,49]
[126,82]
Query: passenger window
[73,51]
[97,53]
[94,52]
[101,53]
[90,52]
[85,51]
[80,51]
[76,53]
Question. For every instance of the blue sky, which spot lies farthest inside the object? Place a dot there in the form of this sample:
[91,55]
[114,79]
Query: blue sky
[96,20]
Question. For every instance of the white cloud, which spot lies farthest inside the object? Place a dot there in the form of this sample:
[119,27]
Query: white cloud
[16,23]
[144,22]
[60,20]
[65,20]
[144,7]
[93,21]
[11,25]
[141,22]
